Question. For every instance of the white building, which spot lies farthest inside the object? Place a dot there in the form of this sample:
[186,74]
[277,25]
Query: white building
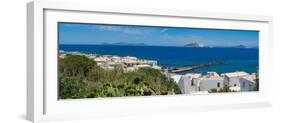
[189,83]
[233,79]
[102,59]
[175,77]
[211,81]
[194,83]
[248,83]
[156,67]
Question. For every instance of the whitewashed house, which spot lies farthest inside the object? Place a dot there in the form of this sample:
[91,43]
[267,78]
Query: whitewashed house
[189,83]
[248,83]
[233,79]
[175,77]
[211,81]
[195,83]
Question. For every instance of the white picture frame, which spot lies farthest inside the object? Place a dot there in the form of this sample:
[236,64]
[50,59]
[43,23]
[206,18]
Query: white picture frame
[42,102]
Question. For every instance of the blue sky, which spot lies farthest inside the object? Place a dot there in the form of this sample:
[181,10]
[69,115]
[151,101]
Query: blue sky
[72,33]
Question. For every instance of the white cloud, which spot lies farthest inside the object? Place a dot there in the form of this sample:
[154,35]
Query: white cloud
[130,30]
[120,28]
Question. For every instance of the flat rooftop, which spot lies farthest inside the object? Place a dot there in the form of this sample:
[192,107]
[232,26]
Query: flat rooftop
[236,74]
[250,78]
[193,75]
[212,76]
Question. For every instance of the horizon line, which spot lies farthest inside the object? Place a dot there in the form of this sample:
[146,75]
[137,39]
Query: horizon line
[136,44]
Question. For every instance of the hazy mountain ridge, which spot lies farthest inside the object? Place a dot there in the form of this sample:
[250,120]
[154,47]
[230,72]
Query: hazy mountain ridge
[126,44]
[197,45]
[193,44]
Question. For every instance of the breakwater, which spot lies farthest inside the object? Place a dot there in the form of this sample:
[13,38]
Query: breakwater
[180,70]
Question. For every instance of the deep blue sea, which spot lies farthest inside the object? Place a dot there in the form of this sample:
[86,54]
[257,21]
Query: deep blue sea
[237,59]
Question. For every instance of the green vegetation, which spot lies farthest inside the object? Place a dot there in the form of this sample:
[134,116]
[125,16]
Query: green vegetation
[225,88]
[257,81]
[80,77]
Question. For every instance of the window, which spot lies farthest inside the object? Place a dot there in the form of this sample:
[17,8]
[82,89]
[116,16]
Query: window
[235,85]
[243,84]
[192,82]
[218,84]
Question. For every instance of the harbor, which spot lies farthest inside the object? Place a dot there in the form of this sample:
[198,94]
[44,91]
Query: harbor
[183,70]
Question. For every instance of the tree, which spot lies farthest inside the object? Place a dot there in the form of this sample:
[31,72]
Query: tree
[76,65]
[80,77]
[71,87]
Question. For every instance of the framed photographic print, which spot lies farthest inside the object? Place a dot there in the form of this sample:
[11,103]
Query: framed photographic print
[92,61]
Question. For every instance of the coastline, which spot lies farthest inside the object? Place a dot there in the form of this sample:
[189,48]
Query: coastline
[115,59]
[238,59]
[211,82]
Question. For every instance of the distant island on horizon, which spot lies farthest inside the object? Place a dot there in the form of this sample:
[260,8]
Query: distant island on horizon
[197,45]
[188,45]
